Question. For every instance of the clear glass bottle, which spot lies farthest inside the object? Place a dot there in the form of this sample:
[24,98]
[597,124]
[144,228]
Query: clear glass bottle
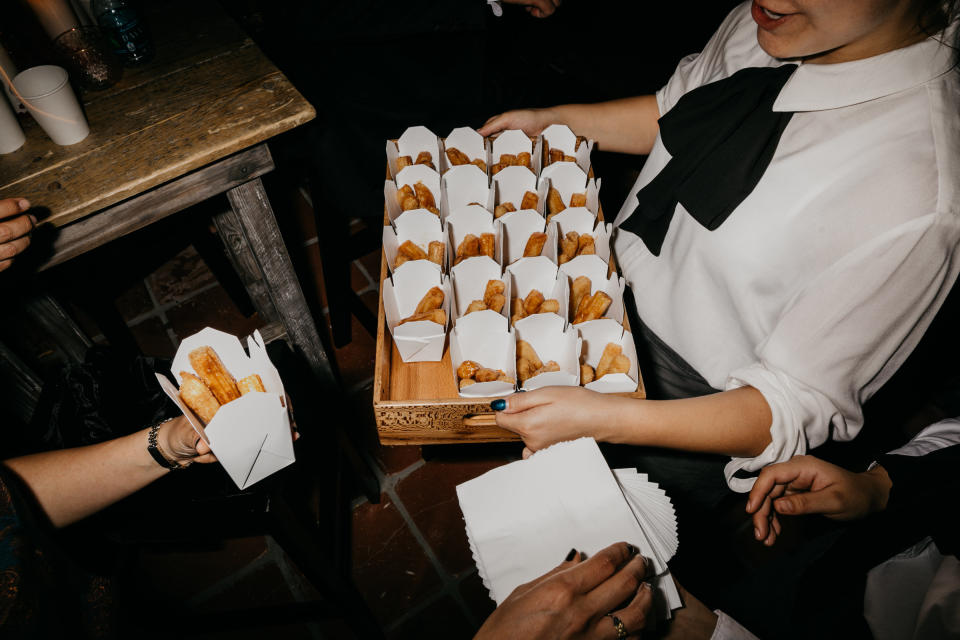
[124,28]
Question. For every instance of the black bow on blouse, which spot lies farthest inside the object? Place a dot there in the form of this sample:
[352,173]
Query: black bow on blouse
[721,137]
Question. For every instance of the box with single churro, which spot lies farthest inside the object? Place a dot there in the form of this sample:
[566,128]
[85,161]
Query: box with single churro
[608,357]
[462,147]
[548,354]
[482,357]
[416,235]
[593,295]
[559,144]
[462,186]
[417,146]
[479,287]
[537,287]
[526,235]
[514,148]
[235,402]
[416,302]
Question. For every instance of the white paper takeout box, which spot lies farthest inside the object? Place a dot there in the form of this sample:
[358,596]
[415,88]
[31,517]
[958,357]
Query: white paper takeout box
[582,221]
[487,342]
[467,140]
[595,335]
[568,179]
[476,221]
[469,282]
[515,141]
[545,333]
[559,136]
[510,184]
[411,143]
[596,269]
[410,176]
[421,228]
[419,341]
[516,228]
[538,273]
[462,186]
[251,435]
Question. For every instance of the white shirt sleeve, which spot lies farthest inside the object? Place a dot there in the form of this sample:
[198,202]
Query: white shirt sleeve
[729,629]
[939,435]
[845,335]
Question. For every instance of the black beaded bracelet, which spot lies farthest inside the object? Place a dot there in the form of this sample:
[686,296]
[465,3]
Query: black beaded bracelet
[154,448]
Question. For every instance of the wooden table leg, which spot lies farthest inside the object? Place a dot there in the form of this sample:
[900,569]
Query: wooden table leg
[250,233]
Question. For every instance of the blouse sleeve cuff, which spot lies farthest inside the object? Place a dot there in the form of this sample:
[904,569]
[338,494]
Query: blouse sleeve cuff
[729,629]
[787,437]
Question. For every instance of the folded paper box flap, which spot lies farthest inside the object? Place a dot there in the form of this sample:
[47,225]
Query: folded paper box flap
[422,340]
[469,282]
[509,185]
[463,185]
[488,347]
[595,336]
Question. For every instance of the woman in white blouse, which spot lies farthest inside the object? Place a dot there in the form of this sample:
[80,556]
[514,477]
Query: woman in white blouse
[809,297]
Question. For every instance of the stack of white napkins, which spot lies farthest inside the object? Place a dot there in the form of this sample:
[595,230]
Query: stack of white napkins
[524,517]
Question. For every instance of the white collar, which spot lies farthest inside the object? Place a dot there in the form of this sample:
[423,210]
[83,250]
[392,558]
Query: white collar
[815,87]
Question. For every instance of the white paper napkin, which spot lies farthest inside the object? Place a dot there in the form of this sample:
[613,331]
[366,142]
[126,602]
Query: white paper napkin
[523,518]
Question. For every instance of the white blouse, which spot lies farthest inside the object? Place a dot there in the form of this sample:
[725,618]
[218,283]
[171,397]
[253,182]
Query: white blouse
[820,284]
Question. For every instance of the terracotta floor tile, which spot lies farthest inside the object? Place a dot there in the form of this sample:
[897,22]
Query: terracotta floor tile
[389,565]
[152,338]
[429,495]
[477,597]
[213,308]
[265,586]
[179,574]
[372,300]
[357,359]
[441,620]
[394,459]
[180,276]
[134,301]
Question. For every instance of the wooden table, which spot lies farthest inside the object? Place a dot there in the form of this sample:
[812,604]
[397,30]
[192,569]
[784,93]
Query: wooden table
[191,124]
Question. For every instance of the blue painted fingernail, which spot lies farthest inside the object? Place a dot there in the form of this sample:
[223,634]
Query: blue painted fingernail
[499,404]
[571,555]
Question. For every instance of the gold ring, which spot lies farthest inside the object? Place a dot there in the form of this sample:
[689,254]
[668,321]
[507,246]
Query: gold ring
[618,625]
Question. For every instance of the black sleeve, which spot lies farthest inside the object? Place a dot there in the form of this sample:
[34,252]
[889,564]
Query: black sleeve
[923,489]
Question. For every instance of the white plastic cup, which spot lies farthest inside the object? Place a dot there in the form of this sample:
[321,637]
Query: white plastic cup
[46,92]
[11,135]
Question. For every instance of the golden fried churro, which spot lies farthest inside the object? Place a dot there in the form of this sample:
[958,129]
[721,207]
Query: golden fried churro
[206,363]
[480,163]
[524,369]
[198,397]
[466,382]
[555,155]
[435,251]
[467,369]
[456,157]
[534,246]
[250,383]
[505,378]
[497,168]
[432,299]
[578,290]
[549,306]
[568,247]
[532,302]
[425,196]
[620,364]
[494,287]
[554,201]
[469,247]
[529,201]
[597,305]
[578,200]
[611,351]
[406,199]
[503,209]
[568,158]
[411,251]
[508,159]
[399,261]
[587,374]
[526,351]
[523,158]
[403,161]
[585,245]
[516,307]
[436,315]
[488,243]
[496,303]
[487,375]
[476,305]
[425,157]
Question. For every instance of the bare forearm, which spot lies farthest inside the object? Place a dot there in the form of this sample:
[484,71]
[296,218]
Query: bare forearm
[71,484]
[628,125]
[733,423]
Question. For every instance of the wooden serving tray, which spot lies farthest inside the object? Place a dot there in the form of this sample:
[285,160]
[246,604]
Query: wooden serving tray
[418,402]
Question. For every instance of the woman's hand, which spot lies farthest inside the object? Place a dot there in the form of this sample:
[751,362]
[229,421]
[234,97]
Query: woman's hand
[555,414]
[181,442]
[537,8]
[15,228]
[530,121]
[806,484]
[573,600]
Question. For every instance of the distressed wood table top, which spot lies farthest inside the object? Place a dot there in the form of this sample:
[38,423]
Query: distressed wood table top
[208,92]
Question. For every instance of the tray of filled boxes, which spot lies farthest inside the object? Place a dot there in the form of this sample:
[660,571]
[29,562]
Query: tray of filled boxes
[496,276]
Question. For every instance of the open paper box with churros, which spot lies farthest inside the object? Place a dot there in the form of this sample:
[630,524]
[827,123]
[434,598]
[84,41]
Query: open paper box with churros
[419,227]
[251,434]
[560,139]
[469,281]
[418,340]
[462,186]
[595,337]
[464,146]
[517,230]
[419,402]
[596,270]
[414,141]
[485,341]
[554,341]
